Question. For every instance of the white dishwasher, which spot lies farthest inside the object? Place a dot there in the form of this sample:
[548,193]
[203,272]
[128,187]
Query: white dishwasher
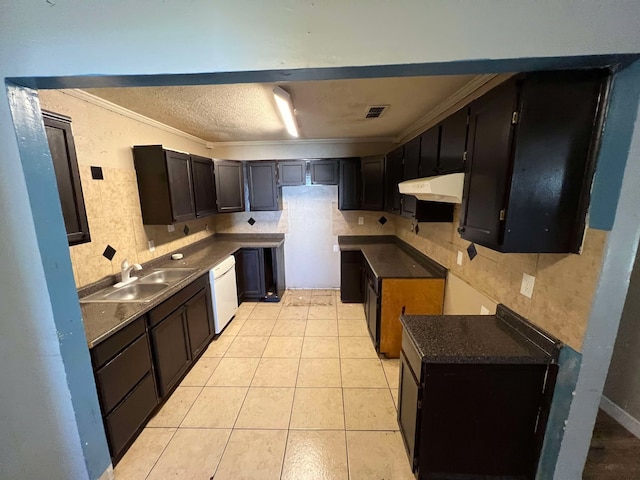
[224,293]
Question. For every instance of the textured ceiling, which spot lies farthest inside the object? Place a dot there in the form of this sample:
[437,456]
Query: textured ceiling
[324,109]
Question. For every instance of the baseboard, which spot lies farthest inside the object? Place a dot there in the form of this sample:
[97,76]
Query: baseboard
[622,417]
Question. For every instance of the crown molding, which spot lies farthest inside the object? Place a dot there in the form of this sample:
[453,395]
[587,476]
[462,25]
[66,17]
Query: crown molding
[305,141]
[424,122]
[125,112]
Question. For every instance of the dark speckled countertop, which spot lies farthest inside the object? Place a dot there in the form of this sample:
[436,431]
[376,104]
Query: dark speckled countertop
[104,319]
[390,257]
[504,338]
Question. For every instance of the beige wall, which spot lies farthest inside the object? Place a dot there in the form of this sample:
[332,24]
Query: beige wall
[564,284]
[104,138]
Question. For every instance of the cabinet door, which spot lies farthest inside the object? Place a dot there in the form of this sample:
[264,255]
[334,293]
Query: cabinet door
[490,139]
[229,186]
[292,173]
[393,176]
[199,321]
[429,148]
[411,168]
[349,187]
[171,350]
[253,273]
[180,186]
[204,186]
[371,311]
[351,277]
[239,275]
[65,165]
[263,190]
[372,169]
[408,396]
[453,143]
[324,172]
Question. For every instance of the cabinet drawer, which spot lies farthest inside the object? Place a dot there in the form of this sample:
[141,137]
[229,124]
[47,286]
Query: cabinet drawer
[413,357]
[123,423]
[180,298]
[120,375]
[106,350]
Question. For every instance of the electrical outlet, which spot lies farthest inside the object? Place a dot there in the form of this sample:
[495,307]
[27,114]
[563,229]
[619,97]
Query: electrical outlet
[360,220]
[484,310]
[412,228]
[152,246]
[459,259]
[171,228]
[336,248]
[528,282]
[206,227]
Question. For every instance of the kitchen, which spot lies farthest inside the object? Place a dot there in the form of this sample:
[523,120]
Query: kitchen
[488,279]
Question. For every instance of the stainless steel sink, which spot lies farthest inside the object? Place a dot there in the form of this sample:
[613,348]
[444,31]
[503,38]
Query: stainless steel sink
[135,292]
[166,275]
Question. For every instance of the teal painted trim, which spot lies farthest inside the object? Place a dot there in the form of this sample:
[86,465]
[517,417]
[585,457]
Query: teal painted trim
[54,251]
[616,141]
[569,363]
[466,67]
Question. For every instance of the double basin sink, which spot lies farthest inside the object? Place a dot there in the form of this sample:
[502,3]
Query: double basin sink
[142,290]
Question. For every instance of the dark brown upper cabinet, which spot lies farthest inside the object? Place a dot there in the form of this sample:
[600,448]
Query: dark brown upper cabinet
[393,176]
[429,150]
[531,157]
[65,165]
[324,172]
[264,193]
[292,173]
[229,186]
[373,188]
[453,142]
[204,186]
[410,171]
[349,187]
[165,185]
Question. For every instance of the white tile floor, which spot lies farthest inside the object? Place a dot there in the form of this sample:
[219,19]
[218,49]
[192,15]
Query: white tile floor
[292,390]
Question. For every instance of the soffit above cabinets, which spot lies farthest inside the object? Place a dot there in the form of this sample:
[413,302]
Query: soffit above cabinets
[327,109]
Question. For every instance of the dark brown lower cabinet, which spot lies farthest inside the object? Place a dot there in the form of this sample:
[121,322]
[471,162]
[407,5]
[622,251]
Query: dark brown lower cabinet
[351,277]
[372,309]
[126,387]
[260,273]
[199,321]
[171,350]
[465,420]
[125,422]
[138,367]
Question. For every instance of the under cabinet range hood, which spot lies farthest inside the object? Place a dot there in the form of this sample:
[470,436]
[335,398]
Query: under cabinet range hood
[441,188]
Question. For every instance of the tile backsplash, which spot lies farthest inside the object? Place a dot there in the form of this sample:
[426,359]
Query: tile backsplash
[564,283]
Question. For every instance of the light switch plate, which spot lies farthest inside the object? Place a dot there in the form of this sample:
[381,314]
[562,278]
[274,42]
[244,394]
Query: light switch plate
[171,228]
[360,220]
[528,282]
[484,310]
[336,248]
[459,259]
[152,246]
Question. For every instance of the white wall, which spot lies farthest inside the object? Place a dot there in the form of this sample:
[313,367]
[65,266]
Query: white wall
[76,37]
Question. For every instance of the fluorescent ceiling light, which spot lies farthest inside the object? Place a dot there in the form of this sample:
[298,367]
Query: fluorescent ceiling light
[283,100]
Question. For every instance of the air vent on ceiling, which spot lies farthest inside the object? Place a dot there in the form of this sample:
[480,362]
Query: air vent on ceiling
[375,111]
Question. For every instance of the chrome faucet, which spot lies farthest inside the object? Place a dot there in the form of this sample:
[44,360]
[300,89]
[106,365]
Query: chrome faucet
[125,270]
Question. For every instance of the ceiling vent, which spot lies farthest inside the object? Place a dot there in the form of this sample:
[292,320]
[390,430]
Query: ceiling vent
[375,111]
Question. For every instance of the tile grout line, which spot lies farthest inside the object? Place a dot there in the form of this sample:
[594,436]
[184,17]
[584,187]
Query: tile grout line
[293,401]
[235,421]
[344,413]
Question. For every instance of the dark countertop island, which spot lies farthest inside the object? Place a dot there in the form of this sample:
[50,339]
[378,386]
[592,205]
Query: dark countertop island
[390,257]
[104,319]
[503,338]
